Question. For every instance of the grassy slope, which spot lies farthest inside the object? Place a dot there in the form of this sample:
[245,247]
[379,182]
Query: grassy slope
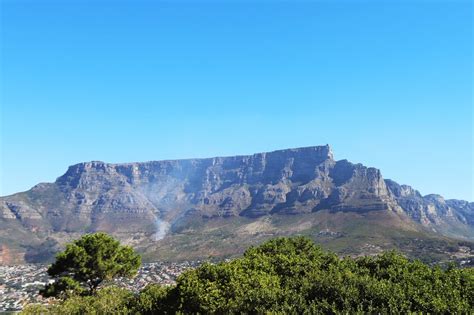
[347,233]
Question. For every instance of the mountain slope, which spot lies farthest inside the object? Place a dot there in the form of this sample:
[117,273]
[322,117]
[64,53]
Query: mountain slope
[184,200]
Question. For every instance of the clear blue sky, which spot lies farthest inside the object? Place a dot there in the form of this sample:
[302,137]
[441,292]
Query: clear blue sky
[386,83]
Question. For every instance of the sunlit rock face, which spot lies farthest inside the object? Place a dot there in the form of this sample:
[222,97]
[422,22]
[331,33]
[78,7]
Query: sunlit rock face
[286,181]
[451,217]
[145,200]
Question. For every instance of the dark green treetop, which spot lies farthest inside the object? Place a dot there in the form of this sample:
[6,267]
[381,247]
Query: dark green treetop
[87,262]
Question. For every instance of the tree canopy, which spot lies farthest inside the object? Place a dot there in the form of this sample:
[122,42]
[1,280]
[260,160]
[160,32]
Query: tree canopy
[295,276]
[87,262]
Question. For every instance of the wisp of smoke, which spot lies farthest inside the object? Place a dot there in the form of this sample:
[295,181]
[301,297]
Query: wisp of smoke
[162,228]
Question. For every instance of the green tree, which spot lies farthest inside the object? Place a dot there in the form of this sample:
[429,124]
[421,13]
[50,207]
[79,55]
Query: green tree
[87,262]
[294,276]
[154,299]
[288,276]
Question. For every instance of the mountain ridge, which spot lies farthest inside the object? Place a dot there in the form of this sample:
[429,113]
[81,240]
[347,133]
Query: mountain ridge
[137,201]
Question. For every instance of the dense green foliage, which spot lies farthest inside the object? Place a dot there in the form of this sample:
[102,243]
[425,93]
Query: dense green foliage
[293,275]
[87,262]
[109,300]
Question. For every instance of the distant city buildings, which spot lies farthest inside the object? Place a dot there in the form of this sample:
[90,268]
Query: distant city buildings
[19,285]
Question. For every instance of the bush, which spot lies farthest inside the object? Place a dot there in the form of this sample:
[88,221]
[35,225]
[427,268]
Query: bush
[109,300]
[294,276]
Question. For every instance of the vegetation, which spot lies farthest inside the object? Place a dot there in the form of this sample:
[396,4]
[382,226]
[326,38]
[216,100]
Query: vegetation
[352,232]
[293,275]
[87,262]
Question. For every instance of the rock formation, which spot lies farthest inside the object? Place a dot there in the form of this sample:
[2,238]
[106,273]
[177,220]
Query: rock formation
[131,198]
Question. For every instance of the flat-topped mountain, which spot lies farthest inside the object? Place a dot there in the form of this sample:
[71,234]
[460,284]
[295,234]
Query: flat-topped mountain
[164,207]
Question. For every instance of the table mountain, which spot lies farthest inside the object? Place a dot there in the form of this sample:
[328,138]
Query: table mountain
[155,205]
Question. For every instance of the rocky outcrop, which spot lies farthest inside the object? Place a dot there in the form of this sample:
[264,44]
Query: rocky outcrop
[357,188]
[131,198]
[450,217]
[98,195]
[463,209]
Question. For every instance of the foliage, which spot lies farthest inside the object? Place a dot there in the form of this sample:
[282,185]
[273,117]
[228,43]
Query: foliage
[109,300]
[87,262]
[154,299]
[294,276]
[63,287]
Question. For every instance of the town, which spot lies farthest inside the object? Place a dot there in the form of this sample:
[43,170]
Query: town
[19,284]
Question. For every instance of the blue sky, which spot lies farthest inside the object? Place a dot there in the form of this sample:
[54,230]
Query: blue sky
[385,83]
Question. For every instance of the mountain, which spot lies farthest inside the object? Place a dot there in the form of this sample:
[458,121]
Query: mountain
[216,207]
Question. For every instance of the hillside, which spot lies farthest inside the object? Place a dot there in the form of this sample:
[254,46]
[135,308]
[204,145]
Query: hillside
[216,207]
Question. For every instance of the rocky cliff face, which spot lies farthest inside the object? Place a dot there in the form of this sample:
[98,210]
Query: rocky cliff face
[450,217]
[144,197]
